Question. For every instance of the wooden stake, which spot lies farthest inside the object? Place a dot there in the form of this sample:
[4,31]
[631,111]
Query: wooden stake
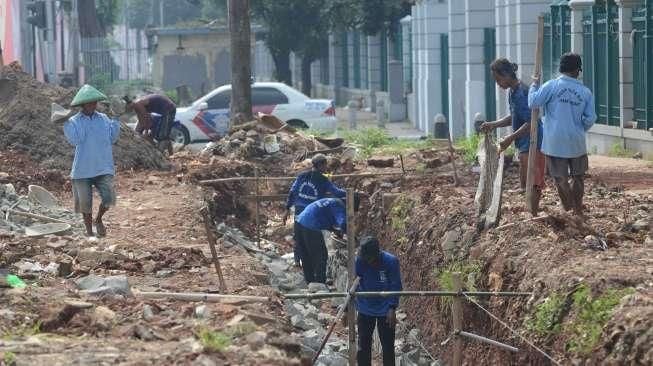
[535,115]
[200,296]
[456,182]
[401,159]
[258,204]
[457,317]
[351,253]
[208,226]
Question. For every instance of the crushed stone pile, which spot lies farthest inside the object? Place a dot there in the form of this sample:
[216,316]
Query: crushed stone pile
[25,125]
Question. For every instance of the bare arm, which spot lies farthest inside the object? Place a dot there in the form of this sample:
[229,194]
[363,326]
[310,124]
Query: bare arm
[503,122]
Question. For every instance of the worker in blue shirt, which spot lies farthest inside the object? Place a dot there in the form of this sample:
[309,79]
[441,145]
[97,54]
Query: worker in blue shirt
[568,113]
[378,271]
[324,214]
[93,134]
[307,188]
[505,75]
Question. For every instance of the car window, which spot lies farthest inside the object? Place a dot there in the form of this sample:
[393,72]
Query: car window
[268,96]
[220,100]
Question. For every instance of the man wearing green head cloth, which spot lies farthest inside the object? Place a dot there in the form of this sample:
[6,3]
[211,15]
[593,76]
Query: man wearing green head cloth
[93,134]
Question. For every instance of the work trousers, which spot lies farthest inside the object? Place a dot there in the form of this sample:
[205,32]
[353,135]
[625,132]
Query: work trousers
[366,326]
[313,252]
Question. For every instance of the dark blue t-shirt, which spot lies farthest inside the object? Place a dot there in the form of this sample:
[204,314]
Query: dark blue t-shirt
[324,214]
[309,187]
[384,278]
[518,103]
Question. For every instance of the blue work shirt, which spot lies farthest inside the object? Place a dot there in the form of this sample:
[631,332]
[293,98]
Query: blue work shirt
[384,278]
[309,187]
[324,214]
[568,113]
[521,114]
[93,137]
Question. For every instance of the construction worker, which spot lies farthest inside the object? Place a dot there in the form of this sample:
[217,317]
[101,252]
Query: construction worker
[378,271]
[568,113]
[324,214]
[505,75]
[93,134]
[154,103]
[307,188]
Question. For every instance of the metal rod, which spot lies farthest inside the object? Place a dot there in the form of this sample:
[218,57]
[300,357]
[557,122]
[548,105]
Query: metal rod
[339,315]
[488,341]
[407,293]
[199,296]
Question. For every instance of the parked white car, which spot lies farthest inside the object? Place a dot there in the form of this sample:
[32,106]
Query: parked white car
[208,117]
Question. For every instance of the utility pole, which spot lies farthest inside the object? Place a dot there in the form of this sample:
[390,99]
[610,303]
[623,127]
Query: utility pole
[50,65]
[241,67]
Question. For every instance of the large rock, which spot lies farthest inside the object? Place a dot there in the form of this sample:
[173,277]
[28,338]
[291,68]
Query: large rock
[312,338]
[98,286]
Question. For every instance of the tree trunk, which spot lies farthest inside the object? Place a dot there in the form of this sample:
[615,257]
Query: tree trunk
[307,86]
[282,71]
[89,24]
[241,67]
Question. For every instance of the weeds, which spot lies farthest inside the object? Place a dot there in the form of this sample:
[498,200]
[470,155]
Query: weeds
[23,331]
[368,139]
[469,146]
[9,358]
[617,150]
[469,272]
[547,317]
[593,314]
[213,341]
[241,329]
[400,210]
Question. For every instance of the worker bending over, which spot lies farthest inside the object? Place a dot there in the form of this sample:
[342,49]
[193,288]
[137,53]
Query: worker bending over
[307,188]
[154,103]
[378,270]
[324,214]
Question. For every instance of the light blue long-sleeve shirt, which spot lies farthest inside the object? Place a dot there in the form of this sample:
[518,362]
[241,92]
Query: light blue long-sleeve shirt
[568,113]
[93,137]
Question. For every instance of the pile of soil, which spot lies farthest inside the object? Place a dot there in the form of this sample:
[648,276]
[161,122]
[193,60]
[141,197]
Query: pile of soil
[26,127]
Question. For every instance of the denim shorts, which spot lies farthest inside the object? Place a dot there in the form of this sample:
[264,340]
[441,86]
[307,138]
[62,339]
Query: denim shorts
[83,192]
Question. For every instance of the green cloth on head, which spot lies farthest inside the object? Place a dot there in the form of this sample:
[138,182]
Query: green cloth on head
[87,94]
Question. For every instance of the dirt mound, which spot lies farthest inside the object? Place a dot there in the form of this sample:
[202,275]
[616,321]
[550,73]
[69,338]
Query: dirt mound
[25,125]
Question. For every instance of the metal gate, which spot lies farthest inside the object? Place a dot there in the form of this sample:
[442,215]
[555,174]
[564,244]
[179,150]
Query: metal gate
[642,69]
[489,54]
[106,61]
[444,73]
[557,38]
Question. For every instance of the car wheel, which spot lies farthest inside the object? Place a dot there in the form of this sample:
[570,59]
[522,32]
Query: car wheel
[297,123]
[179,135]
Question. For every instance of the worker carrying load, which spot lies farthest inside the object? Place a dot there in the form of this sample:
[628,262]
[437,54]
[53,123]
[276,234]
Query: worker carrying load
[307,188]
[158,104]
[93,134]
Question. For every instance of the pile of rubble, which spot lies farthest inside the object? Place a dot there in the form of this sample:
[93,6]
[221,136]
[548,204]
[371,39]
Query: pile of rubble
[25,124]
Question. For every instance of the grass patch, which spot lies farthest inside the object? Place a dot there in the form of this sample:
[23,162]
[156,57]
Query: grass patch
[547,317]
[469,272]
[469,147]
[23,331]
[401,208]
[617,150]
[213,341]
[368,139]
[9,358]
[593,313]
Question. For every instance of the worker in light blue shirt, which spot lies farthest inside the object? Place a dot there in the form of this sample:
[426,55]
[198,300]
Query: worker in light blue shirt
[93,134]
[324,214]
[568,113]
[378,271]
[307,188]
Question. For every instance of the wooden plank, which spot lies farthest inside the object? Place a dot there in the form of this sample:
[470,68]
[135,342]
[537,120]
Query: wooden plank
[493,213]
[351,253]
[535,115]
[457,318]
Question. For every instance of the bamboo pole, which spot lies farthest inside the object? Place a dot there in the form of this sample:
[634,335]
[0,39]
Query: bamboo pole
[351,257]
[35,216]
[314,296]
[335,321]
[457,318]
[258,204]
[199,296]
[535,115]
[488,341]
[350,175]
[211,239]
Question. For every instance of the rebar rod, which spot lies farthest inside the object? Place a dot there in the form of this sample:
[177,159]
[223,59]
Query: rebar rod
[488,341]
[406,293]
